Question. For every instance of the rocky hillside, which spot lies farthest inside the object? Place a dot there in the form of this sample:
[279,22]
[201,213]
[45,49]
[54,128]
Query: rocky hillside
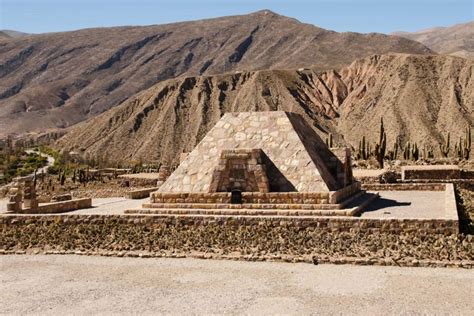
[457,40]
[55,80]
[4,36]
[420,97]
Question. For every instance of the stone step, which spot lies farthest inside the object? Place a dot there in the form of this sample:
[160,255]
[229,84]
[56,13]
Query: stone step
[352,207]
[241,206]
[265,206]
[241,212]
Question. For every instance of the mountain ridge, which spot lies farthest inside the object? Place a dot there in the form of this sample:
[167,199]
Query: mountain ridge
[55,80]
[420,97]
[457,40]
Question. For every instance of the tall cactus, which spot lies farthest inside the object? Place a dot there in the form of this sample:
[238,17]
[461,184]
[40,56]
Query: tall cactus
[381,147]
[458,149]
[407,151]
[392,154]
[329,141]
[467,143]
[444,148]
[415,152]
[362,149]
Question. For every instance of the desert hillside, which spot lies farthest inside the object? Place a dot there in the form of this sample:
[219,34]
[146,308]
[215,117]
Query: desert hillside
[420,97]
[457,40]
[55,80]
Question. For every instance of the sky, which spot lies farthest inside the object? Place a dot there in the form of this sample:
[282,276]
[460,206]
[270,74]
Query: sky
[384,16]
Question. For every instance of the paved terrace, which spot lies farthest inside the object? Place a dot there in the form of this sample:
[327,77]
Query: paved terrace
[391,204]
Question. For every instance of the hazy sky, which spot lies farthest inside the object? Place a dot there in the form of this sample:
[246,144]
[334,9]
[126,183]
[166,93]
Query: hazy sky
[37,16]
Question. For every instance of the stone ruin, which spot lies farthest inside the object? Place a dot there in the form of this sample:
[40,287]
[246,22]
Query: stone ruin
[22,196]
[22,199]
[260,160]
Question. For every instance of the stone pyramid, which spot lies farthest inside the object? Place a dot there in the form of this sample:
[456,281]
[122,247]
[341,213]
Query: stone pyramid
[296,158]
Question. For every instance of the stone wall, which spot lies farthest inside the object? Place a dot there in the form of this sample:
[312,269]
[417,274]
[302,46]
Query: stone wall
[140,193]
[445,172]
[64,206]
[258,197]
[325,239]
[140,180]
[404,187]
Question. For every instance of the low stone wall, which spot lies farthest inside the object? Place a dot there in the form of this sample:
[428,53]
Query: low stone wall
[431,172]
[140,179]
[140,193]
[405,187]
[63,206]
[324,239]
[342,194]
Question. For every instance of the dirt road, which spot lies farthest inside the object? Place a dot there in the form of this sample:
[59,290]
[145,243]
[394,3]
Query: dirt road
[83,285]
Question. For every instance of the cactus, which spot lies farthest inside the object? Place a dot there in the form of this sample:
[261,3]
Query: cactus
[458,149]
[415,153]
[467,143]
[329,141]
[392,154]
[407,151]
[362,149]
[364,155]
[34,178]
[381,147]
[74,176]
[444,148]
[430,152]
[62,177]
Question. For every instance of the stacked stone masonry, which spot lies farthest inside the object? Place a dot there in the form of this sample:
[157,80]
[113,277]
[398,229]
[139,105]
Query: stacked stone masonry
[295,157]
[441,172]
[335,239]
[258,197]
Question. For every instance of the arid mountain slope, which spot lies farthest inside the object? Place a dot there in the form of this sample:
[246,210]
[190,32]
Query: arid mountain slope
[13,34]
[4,36]
[56,80]
[420,97]
[457,40]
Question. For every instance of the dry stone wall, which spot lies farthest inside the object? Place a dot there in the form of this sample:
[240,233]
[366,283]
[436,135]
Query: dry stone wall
[335,239]
[442,172]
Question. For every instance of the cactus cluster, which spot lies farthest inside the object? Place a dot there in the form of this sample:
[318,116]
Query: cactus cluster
[427,152]
[411,151]
[381,147]
[364,149]
[444,148]
[463,148]
[393,154]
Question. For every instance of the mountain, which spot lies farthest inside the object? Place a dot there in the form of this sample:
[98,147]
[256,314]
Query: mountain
[457,40]
[12,34]
[55,80]
[421,98]
[4,36]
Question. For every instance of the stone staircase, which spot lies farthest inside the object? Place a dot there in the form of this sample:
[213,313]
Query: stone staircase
[349,207]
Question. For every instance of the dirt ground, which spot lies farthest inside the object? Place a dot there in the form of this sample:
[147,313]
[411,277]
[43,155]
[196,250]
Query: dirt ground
[84,285]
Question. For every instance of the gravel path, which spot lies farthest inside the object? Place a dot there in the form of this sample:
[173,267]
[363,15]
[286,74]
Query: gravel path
[83,285]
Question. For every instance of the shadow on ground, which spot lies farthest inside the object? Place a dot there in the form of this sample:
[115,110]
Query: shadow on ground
[381,203]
